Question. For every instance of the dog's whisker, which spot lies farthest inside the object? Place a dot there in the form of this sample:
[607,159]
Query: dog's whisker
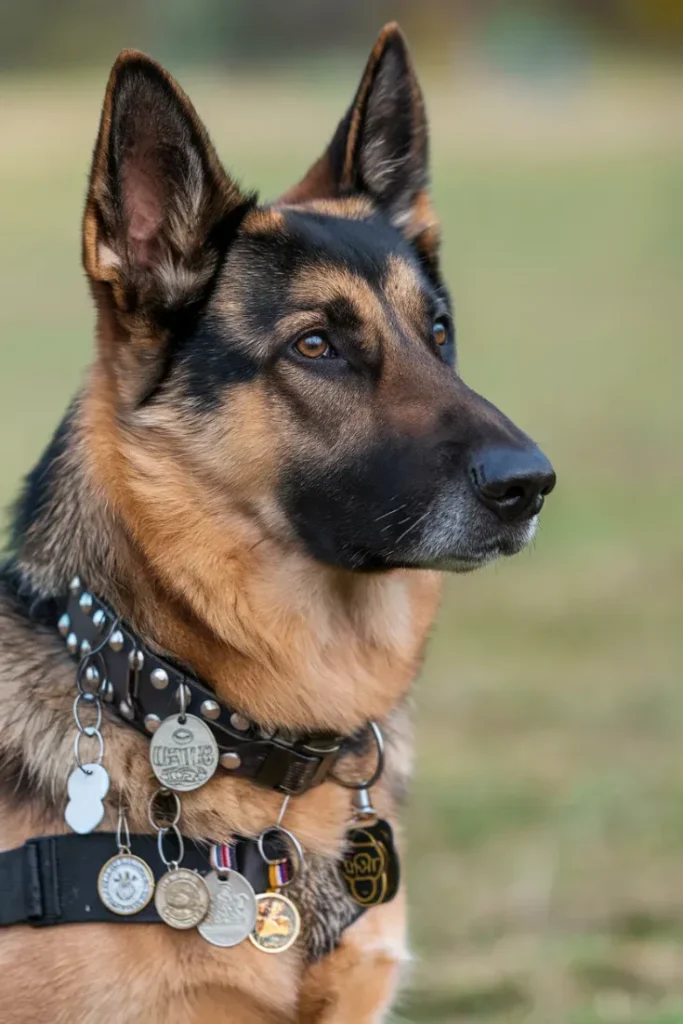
[392,512]
[417,522]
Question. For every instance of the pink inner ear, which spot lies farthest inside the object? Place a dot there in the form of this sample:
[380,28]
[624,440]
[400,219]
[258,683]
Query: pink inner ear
[143,205]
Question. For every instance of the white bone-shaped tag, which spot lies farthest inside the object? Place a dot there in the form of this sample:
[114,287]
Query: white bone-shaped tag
[87,788]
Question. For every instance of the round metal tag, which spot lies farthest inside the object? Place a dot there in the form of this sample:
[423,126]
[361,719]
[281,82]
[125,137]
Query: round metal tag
[277,923]
[183,754]
[181,898]
[125,884]
[232,910]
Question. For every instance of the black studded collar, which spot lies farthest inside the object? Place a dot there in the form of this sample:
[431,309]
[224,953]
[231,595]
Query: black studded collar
[144,689]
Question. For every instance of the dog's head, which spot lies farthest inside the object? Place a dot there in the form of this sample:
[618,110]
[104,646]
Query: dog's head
[294,362]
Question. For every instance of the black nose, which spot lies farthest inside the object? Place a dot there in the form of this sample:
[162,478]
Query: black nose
[512,482]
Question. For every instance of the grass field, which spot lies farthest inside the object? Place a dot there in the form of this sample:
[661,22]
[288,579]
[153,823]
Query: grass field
[546,824]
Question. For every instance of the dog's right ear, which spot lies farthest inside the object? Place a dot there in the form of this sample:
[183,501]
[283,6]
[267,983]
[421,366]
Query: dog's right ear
[160,206]
[380,148]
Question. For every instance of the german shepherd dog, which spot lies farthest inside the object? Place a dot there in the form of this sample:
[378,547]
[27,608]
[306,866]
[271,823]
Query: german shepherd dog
[271,463]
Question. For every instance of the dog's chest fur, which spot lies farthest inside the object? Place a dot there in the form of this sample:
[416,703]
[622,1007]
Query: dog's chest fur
[37,688]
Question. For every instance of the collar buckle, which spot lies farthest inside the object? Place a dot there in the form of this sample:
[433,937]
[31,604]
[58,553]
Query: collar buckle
[295,769]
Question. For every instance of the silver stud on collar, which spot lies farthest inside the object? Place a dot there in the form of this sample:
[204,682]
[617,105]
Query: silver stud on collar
[136,660]
[64,624]
[152,723]
[159,679]
[230,760]
[210,709]
[75,586]
[108,692]
[85,648]
[99,618]
[239,722]
[85,602]
[72,643]
[116,640]
[126,710]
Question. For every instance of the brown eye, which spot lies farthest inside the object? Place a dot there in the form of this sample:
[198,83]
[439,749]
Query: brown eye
[440,332]
[314,346]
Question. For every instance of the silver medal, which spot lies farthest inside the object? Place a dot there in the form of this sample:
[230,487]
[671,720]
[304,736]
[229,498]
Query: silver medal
[232,911]
[183,753]
[125,884]
[181,898]
[87,788]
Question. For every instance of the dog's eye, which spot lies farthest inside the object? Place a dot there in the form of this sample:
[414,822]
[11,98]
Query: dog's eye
[440,331]
[314,346]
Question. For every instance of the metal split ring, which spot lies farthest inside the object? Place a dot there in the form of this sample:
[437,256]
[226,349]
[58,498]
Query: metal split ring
[91,732]
[181,846]
[122,832]
[96,652]
[182,700]
[291,839]
[377,774]
[93,701]
[151,809]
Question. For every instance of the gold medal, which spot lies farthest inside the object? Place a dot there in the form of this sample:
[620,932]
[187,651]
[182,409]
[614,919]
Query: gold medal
[277,923]
[125,884]
[181,898]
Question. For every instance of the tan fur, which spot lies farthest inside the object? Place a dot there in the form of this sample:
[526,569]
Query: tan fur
[354,982]
[350,207]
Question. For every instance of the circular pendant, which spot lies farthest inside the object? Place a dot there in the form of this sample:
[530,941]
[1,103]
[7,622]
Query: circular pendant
[125,884]
[183,754]
[232,910]
[181,898]
[277,923]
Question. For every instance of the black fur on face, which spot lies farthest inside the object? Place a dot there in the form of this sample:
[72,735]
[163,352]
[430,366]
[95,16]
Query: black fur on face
[374,438]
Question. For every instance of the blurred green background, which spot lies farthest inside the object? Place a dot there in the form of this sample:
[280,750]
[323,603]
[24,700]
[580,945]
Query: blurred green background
[546,822]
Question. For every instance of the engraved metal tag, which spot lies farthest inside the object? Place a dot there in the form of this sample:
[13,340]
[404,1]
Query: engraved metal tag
[370,867]
[277,923]
[181,898]
[183,753]
[125,884]
[232,911]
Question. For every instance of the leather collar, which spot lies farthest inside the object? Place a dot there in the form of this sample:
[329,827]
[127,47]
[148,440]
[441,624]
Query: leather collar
[144,688]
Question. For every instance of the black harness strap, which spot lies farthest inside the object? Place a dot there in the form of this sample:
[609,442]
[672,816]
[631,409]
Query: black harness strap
[53,880]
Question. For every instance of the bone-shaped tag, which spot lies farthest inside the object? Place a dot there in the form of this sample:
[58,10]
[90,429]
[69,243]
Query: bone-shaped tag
[87,788]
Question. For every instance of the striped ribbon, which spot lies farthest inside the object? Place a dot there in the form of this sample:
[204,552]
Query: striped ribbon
[279,874]
[222,857]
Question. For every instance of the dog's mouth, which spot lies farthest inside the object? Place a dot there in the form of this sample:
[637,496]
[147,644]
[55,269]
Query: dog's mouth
[504,546]
[461,536]
[462,563]
[459,554]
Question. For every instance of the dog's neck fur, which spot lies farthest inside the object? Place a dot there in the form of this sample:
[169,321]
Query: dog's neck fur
[288,641]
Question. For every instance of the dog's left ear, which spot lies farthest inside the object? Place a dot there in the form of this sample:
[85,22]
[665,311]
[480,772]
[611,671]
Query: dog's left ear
[159,214]
[381,147]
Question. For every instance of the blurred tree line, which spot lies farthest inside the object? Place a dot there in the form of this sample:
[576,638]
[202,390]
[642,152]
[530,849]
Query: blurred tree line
[259,33]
